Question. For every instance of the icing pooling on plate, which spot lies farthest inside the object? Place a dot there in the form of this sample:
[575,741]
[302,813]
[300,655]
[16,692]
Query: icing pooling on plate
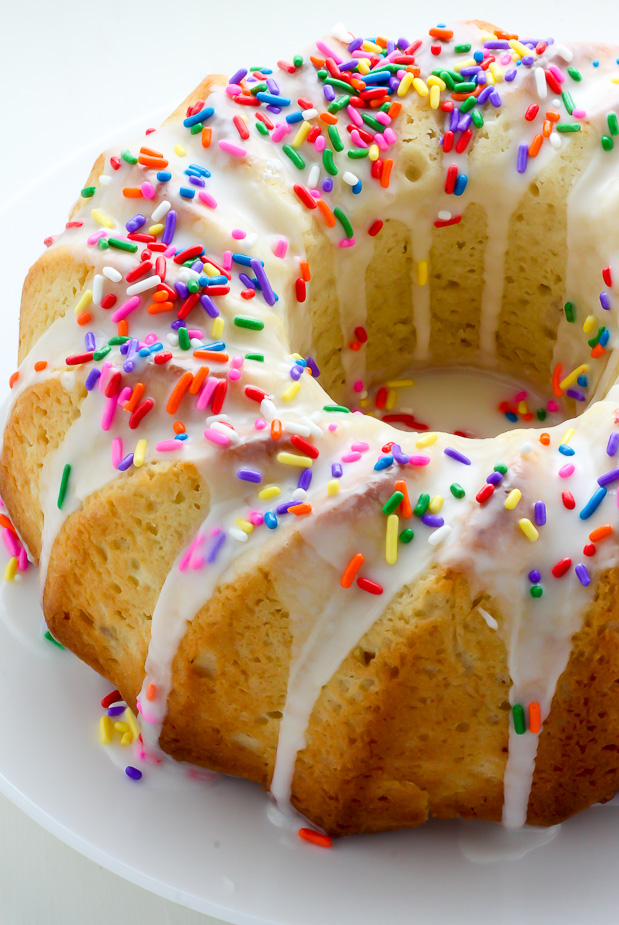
[537,632]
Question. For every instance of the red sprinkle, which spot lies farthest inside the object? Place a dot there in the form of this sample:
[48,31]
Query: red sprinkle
[110,698]
[78,358]
[568,500]
[484,493]
[316,838]
[219,395]
[531,112]
[108,301]
[305,446]
[300,289]
[375,227]
[306,198]
[141,270]
[255,393]
[189,253]
[372,587]
[140,412]
[562,567]
[607,276]
[589,550]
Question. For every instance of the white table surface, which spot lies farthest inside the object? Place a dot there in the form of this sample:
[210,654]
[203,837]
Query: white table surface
[73,72]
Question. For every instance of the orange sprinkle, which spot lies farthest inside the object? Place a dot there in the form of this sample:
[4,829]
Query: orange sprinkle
[465,96]
[598,351]
[535,719]
[395,109]
[329,118]
[207,134]
[506,36]
[158,308]
[157,163]
[160,296]
[329,217]
[380,40]
[151,691]
[317,62]
[178,391]
[198,379]
[405,505]
[305,270]
[547,128]
[535,145]
[179,427]
[84,318]
[299,509]
[544,439]
[351,570]
[14,378]
[317,838]
[276,429]
[357,84]
[150,152]
[132,192]
[600,533]
[39,365]
[557,375]
[445,35]
[123,328]
[136,397]
[553,115]
[215,356]
[5,522]
[386,173]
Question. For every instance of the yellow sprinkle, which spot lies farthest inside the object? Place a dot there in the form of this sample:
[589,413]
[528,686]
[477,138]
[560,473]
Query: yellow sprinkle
[304,130]
[589,324]
[270,491]
[400,383]
[364,402]
[435,97]
[245,525]
[426,440]
[11,568]
[392,397]
[333,487]
[522,407]
[131,723]
[106,730]
[528,529]
[422,272]
[217,328]
[85,300]
[209,270]
[468,62]
[567,436]
[121,727]
[497,73]
[372,46]
[291,459]
[391,551]
[289,393]
[178,149]
[139,453]
[297,356]
[126,739]
[573,376]
[435,504]
[102,219]
[434,81]
[614,80]
[513,498]
[363,65]
[420,86]
[156,229]
[519,48]
[374,152]
[405,84]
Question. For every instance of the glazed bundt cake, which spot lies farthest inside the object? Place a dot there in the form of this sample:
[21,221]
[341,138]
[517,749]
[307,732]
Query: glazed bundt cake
[375,624]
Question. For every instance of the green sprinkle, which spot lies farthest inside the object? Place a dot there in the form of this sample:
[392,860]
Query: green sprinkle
[337,84]
[465,86]
[117,340]
[541,414]
[468,104]
[102,352]
[294,156]
[501,467]
[183,339]
[477,119]
[193,285]
[103,244]
[595,340]
[47,635]
[338,103]
[570,311]
[259,88]
[252,323]
[336,141]
[89,191]
[64,484]
[451,78]
[462,49]
[613,123]
[197,128]
[336,408]
[297,61]
[128,246]
[457,490]
[262,128]
[406,535]
[536,591]
[127,156]
[394,501]
[422,505]
[568,102]
[358,153]
[372,122]
[607,143]
[519,723]
[258,357]
[344,221]
[565,127]
[574,74]
[327,159]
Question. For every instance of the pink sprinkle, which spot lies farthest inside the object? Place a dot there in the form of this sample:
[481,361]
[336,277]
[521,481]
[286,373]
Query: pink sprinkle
[328,52]
[22,560]
[196,332]
[207,393]
[230,148]
[227,260]
[506,59]
[390,136]
[420,460]
[117,451]
[320,143]
[215,436]
[351,457]
[315,193]
[207,199]
[579,113]
[520,396]
[360,447]
[358,140]
[280,131]
[281,247]
[126,308]
[237,361]
[106,369]
[95,237]
[566,471]
[108,413]
[150,339]
[260,423]
[354,116]
[168,446]
[382,117]
[10,542]
[234,375]
[233,89]
[255,518]
[346,242]
[148,190]
[332,428]
[552,405]
[557,72]
[169,251]
[358,385]
[195,544]
[237,234]
[124,395]
[379,138]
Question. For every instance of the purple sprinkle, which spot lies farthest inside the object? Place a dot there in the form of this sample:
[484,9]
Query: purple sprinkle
[274,109]
[483,96]
[464,122]
[511,75]
[398,455]
[613,444]
[305,479]
[582,574]
[469,71]
[126,463]
[433,520]
[605,301]
[391,47]
[327,185]
[402,44]
[285,507]
[534,576]
[238,76]
[523,154]
[496,43]
[92,377]
[455,454]
[197,181]
[576,394]
[608,477]
[454,118]
[311,362]
[356,44]
[482,78]
[262,278]
[216,545]
[336,470]
[128,366]
[133,773]
[328,92]
[394,83]
[169,228]
[249,475]
[247,281]
[528,61]
[179,323]
[135,223]
[181,287]
[296,372]
[348,65]
[209,306]
[116,711]
[273,86]
[540,513]
[495,478]
[495,99]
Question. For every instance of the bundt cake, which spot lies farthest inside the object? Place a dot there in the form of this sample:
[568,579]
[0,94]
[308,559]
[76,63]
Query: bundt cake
[375,624]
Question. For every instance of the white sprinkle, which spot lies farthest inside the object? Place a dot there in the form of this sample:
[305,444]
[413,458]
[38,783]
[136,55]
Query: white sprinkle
[172,339]
[526,448]
[341,33]
[97,289]
[293,427]
[488,618]
[350,178]
[299,494]
[104,180]
[186,273]
[149,282]
[563,52]
[196,342]
[250,241]
[112,273]
[540,83]
[309,114]
[555,140]
[444,215]
[219,425]
[315,430]
[239,535]
[268,409]
[439,535]
[161,210]
[313,176]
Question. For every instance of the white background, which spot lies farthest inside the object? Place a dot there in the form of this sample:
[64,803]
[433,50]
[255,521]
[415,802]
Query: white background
[72,73]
